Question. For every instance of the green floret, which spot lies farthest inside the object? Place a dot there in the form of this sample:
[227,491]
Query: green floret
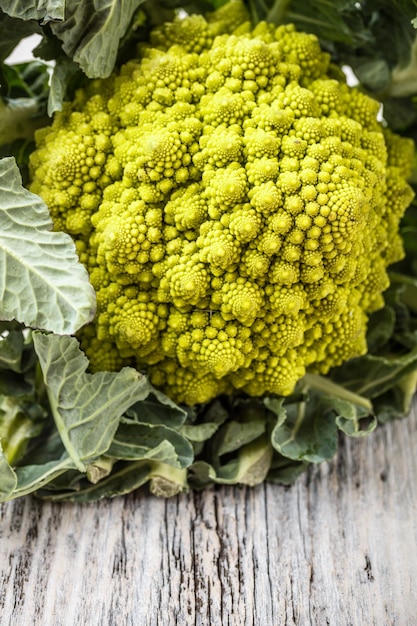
[236,206]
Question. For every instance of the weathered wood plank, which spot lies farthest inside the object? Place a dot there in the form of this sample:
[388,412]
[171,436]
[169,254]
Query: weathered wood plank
[339,547]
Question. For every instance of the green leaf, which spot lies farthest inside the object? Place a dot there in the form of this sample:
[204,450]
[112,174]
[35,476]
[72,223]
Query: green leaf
[125,478]
[276,406]
[136,441]
[17,364]
[352,420]
[396,402]
[25,80]
[404,76]
[86,407]
[20,421]
[409,289]
[12,31]
[234,435]
[19,119]
[372,375]
[338,20]
[307,431]
[24,91]
[39,10]
[400,113]
[164,480]
[199,433]
[373,74]
[250,467]
[64,74]
[284,471]
[31,478]
[157,409]
[8,478]
[12,384]
[42,283]
[376,39]
[47,448]
[11,351]
[381,326]
[92,31]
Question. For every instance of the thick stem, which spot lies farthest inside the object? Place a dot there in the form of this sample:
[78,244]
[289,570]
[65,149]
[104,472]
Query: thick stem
[276,14]
[314,381]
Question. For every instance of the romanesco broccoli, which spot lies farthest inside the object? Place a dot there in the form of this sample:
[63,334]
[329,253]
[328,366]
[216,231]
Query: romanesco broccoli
[236,205]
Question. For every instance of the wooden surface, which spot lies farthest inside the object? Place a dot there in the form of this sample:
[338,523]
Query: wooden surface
[338,548]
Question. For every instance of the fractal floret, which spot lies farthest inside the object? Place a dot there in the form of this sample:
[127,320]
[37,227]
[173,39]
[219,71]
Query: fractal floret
[235,203]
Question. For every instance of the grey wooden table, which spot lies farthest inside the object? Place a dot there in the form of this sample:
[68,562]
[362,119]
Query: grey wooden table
[337,548]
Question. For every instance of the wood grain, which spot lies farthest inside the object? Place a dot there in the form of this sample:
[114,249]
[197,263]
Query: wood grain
[337,548]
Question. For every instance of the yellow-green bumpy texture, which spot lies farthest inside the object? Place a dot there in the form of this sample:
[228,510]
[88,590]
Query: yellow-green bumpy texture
[236,205]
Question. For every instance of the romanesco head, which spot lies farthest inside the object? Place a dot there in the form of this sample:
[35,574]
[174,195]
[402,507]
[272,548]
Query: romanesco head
[235,204]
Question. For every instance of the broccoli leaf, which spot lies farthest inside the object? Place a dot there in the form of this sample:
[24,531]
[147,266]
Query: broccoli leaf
[23,97]
[372,375]
[65,72]
[149,430]
[339,20]
[42,284]
[157,409]
[40,10]
[25,80]
[376,39]
[11,384]
[22,481]
[125,478]
[198,433]
[17,364]
[8,478]
[19,119]
[397,400]
[249,467]
[234,434]
[92,31]
[31,478]
[285,471]
[136,441]
[20,421]
[404,76]
[352,420]
[305,430]
[86,407]
[12,31]
[11,351]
